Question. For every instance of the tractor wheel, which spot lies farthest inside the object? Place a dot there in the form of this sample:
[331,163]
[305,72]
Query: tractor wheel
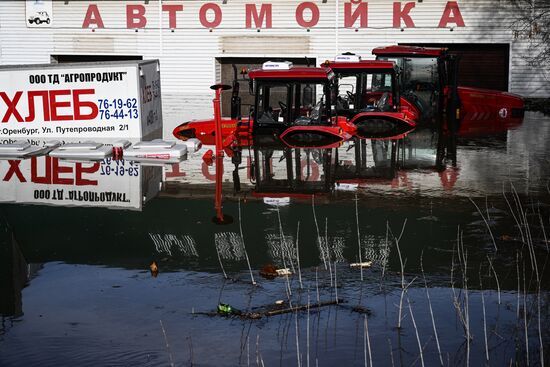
[37,21]
[31,21]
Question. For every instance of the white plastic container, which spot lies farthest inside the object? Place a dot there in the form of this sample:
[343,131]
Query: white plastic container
[193,145]
[83,151]
[23,149]
[156,150]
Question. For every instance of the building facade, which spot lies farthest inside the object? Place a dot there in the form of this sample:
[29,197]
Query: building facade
[198,42]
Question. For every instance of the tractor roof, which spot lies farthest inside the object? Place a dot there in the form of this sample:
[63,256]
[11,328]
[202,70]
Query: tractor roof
[408,51]
[293,72]
[363,65]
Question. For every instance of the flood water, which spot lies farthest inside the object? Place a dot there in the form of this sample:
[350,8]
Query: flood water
[458,249]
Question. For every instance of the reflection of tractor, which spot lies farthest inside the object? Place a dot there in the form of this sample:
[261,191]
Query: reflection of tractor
[292,103]
[428,77]
[39,18]
[367,92]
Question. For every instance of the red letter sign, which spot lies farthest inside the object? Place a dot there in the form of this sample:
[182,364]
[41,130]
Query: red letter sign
[399,15]
[135,16]
[361,11]
[92,17]
[172,10]
[252,12]
[314,15]
[217,15]
[451,14]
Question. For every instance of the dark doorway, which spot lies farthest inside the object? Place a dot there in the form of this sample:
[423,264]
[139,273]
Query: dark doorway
[248,63]
[62,59]
[481,65]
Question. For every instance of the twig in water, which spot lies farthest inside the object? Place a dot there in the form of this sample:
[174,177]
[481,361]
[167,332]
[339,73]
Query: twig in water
[327,250]
[368,342]
[335,283]
[192,355]
[513,215]
[307,330]
[416,332]
[484,319]
[402,274]
[430,307]
[298,337]
[244,247]
[486,223]
[220,260]
[298,256]
[321,248]
[541,345]
[385,257]
[525,315]
[391,353]
[496,277]
[358,235]
[283,248]
[317,284]
[167,344]
[543,230]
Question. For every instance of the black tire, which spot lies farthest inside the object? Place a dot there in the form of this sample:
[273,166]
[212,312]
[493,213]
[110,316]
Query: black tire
[31,21]
[37,21]
[48,21]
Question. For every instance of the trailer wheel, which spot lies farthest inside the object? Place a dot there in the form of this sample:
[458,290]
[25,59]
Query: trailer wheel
[48,21]
[31,21]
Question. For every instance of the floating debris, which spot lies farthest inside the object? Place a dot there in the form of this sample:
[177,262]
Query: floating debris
[224,309]
[227,310]
[284,272]
[154,269]
[364,264]
[269,271]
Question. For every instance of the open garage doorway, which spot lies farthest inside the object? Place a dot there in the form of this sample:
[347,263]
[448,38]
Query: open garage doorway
[481,65]
[226,67]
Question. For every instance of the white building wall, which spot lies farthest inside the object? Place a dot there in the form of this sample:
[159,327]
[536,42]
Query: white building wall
[188,53]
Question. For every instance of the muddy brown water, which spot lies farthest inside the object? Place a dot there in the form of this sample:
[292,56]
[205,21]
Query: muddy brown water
[76,286]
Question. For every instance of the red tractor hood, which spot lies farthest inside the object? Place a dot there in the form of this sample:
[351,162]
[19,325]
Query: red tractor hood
[488,110]
[205,130]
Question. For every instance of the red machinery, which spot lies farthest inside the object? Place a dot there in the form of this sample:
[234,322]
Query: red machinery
[428,77]
[368,94]
[290,102]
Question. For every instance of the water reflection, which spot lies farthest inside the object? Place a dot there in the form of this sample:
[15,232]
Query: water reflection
[345,204]
[107,183]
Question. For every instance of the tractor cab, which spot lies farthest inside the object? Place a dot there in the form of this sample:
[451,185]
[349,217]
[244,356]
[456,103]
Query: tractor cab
[367,93]
[286,96]
[428,77]
[424,72]
[364,85]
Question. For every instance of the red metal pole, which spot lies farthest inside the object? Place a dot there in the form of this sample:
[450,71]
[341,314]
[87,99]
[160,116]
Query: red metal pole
[218,123]
[219,151]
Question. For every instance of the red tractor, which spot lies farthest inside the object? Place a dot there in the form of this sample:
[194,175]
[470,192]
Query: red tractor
[368,94]
[428,78]
[291,103]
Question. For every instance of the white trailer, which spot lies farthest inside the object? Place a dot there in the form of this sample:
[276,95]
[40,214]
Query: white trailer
[107,100]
